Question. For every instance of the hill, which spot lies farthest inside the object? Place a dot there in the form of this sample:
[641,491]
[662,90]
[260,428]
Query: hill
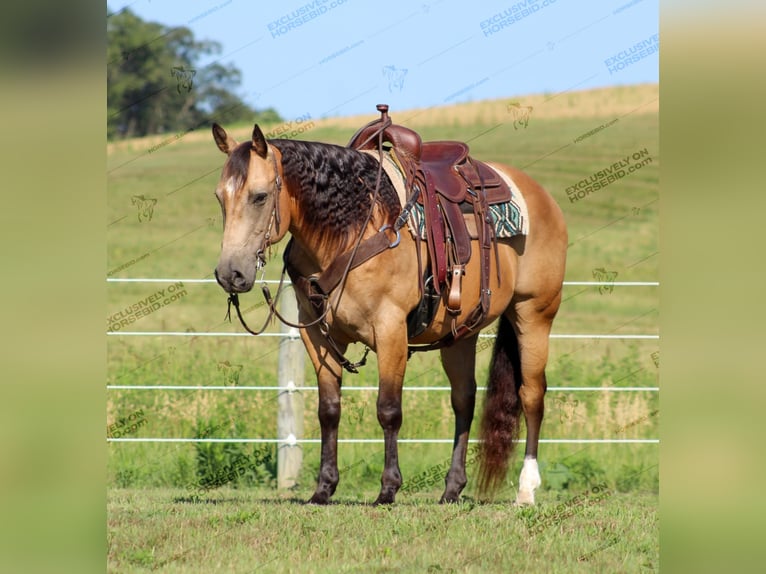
[595,103]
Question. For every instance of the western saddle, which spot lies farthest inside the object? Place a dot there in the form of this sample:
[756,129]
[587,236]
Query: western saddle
[451,187]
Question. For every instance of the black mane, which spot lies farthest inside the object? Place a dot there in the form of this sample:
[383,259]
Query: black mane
[335,186]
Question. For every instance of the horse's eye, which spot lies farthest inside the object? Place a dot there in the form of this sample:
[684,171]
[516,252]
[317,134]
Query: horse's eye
[259,198]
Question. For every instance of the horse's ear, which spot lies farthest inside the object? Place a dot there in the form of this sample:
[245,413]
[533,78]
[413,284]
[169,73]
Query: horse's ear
[259,142]
[224,141]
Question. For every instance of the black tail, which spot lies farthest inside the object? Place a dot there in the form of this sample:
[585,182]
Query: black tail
[500,423]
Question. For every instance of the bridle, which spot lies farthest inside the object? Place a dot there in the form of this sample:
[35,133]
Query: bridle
[274,219]
[334,276]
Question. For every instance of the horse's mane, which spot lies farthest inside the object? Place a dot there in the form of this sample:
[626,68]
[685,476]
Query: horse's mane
[334,186]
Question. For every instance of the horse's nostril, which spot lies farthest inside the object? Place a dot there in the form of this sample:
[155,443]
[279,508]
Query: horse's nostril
[237,279]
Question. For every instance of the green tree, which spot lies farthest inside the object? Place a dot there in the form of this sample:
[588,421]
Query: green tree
[154,84]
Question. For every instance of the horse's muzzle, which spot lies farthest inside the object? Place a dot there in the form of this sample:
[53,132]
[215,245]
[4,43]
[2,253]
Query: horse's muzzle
[233,281]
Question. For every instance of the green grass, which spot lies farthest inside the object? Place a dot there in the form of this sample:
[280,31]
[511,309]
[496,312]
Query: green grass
[255,531]
[251,523]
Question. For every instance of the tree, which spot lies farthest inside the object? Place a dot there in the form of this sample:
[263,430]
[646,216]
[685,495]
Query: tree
[154,85]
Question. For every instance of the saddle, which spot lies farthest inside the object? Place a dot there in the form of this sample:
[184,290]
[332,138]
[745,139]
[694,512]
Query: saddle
[451,186]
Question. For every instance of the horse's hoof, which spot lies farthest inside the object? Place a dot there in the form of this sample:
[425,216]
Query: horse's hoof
[319,499]
[525,499]
[383,499]
[449,499]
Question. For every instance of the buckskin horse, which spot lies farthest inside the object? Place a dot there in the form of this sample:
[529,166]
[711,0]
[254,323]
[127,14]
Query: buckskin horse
[359,279]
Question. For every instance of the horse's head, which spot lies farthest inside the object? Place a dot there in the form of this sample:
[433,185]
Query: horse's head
[249,195]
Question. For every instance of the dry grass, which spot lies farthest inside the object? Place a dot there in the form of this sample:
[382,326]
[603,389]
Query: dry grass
[603,102]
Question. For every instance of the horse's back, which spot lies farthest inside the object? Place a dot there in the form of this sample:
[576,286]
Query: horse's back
[542,258]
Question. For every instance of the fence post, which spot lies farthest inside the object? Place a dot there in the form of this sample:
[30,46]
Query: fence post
[289,402]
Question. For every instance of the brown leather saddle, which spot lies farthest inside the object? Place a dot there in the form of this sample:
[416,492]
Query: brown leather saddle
[451,186]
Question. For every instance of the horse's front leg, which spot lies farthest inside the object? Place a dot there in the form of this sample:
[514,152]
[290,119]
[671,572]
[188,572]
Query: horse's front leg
[328,373]
[392,361]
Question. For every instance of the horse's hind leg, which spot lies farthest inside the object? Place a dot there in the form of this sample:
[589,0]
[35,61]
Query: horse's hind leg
[533,327]
[459,363]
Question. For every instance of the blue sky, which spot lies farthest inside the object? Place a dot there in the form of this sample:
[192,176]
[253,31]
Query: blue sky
[326,58]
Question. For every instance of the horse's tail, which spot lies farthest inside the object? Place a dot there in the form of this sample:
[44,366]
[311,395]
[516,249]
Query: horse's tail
[500,423]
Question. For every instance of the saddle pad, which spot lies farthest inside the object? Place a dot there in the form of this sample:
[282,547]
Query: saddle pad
[510,218]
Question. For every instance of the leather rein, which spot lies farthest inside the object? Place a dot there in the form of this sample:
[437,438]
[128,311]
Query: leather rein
[317,288]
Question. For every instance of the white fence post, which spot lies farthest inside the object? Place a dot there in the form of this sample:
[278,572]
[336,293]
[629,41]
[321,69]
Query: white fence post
[290,402]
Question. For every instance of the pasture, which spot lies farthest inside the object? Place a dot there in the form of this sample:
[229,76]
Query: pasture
[165,223]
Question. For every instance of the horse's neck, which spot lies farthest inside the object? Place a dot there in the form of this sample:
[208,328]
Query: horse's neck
[305,252]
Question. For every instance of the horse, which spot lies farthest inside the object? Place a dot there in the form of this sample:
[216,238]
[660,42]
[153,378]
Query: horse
[330,198]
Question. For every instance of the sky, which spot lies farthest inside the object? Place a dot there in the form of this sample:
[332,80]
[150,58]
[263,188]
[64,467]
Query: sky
[326,58]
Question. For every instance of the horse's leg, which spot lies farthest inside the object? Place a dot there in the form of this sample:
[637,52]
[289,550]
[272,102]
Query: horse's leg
[533,326]
[328,373]
[459,362]
[392,361]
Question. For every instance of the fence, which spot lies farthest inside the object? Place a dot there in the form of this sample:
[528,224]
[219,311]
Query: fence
[292,333]
[290,402]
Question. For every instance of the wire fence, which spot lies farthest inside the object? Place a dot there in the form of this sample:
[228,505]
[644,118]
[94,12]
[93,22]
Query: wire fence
[293,334]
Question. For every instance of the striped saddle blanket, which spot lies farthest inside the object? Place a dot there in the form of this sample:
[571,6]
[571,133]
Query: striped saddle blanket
[509,219]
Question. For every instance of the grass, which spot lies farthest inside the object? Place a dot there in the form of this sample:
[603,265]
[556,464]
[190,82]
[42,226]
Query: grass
[256,531]
[247,524]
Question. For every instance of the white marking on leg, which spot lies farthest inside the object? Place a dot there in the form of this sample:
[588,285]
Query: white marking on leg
[529,480]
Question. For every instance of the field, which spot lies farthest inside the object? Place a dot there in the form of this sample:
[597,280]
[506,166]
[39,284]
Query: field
[164,222]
